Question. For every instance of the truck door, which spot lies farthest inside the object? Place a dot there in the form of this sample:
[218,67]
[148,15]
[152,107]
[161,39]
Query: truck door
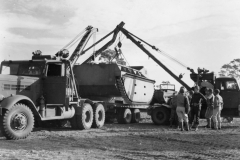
[54,84]
[230,93]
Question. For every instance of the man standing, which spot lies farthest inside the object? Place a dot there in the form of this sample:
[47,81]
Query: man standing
[189,98]
[209,111]
[196,103]
[173,108]
[182,100]
[218,105]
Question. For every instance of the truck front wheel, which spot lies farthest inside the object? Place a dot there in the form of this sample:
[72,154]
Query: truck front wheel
[98,115]
[18,122]
[160,115]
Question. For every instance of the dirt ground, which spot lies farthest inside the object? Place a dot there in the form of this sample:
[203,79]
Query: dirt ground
[133,141]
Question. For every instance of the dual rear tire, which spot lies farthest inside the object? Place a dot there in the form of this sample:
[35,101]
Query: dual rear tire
[98,115]
[126,116]
[88,116]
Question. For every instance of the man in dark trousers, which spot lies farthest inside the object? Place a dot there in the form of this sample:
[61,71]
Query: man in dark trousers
[196,104]
[173,116]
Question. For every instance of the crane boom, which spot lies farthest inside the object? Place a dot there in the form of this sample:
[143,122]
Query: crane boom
[114,32]
[79,50]
[126,33]
[89,31]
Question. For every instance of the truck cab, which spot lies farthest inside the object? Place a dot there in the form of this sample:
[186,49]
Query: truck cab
[36,78]
[37,90]
[230,92]
[22,78]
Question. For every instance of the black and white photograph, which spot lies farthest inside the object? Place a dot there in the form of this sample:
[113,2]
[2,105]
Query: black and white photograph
[119,79]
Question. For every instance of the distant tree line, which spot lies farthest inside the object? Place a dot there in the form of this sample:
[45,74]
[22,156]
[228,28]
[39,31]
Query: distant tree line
[231,69]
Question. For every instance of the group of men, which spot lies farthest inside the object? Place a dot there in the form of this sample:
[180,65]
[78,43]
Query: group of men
[188,108]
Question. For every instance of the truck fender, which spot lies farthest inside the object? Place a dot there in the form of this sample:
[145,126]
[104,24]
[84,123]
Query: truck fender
[8,102]
[92,102]
[82,101]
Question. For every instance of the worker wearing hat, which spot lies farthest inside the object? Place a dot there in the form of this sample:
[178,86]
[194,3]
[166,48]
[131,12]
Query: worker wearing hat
[218,105]
[182,100]
[196,104]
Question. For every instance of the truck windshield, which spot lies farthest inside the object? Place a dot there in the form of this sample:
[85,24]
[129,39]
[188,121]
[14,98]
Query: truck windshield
[25,69]
[232,85]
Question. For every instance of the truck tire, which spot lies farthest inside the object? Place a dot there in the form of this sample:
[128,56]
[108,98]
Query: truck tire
[124,116]
[85,119]
[2,133]
[160,115]
[136,116]
[18,122]
[98,115]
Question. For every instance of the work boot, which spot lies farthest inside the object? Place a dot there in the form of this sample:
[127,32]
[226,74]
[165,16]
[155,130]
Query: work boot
[187,126]
[208,123]
[181,126]
[219,125]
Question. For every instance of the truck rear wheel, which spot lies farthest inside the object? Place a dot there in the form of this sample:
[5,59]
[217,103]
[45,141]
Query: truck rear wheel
[18,122]
[160,115]
[136,116]
[124,116]
[98,115]
[85,119]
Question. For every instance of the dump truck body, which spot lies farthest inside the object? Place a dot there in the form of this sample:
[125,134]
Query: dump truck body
[108,81]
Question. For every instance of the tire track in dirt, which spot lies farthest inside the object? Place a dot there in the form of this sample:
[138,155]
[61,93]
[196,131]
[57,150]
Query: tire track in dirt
[141,155]
[202,144]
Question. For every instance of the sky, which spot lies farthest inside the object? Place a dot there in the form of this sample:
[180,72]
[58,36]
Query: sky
[198,33]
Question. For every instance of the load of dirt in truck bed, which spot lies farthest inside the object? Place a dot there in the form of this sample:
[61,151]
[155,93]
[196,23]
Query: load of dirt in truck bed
[132,141]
